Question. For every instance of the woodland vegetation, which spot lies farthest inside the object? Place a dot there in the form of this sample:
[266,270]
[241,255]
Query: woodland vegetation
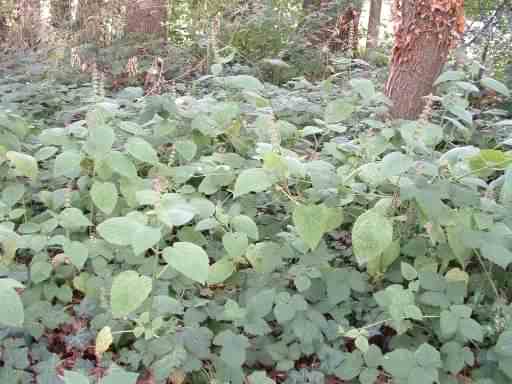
[255,192]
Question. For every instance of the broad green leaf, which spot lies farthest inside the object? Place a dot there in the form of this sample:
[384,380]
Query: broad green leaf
[449,323]
[338,111]
[450,76]
[104,196]
[144,238]
[13,193]
[119,230]
[497,253]
[427,356]
[495,85]
[122,165]
[71,377]
[141,150]
[259,377]
[25,164]
[310,224]
[372,234]
[244,82]
[12,313]
[504,344]
[118,375]
[506,189]
[188,259]
[234,347]
[220,271]
[186,149]
[245,224]
[73,218]
[100,141]
[408,271]
[471,330]
[77,253]
[399,363]
[67,164]
[235,243]
[40,271]
[129,291]
[395,164]
[364,88]
[252,180]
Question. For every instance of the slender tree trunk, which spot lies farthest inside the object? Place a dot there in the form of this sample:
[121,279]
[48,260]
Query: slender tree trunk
[308,5]
[147,16]
[373,24]
[425,30]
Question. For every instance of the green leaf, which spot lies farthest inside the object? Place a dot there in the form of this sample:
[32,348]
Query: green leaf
[364,88]
[471,330]
[12,313]
[504,344]
[71,377]
[252,180]
[313,221]
[104,196]
[427,356]
[449,323]
[144,238]
[497,253]
[245,224]
[245,82]
[118,375]
[77,253]
[408,271]
[234,348]
[495,85]
[450,76]
[122,165]
[25,164]
[119,230]
[13,193]
[395,164]
[67,164]
[235,243]
[372,234]
[141,150]
[220,271]
[399,363]
[99,142]
[188,259]
[186,149]
[129,291]
[350,367]
[73,218]
[338,111]
[259,377]
[40,271]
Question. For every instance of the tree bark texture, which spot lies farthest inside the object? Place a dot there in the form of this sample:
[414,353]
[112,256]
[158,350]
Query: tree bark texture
[147,16]
[425,30]
[372,40]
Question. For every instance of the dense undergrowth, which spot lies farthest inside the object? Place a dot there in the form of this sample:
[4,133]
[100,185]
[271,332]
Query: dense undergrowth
[243,232]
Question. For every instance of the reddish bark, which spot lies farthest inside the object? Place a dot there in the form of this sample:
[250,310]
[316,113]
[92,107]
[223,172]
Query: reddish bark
[425,30]
[347,31]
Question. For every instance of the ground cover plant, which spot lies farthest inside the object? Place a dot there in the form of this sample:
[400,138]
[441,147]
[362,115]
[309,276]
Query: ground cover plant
[220,227]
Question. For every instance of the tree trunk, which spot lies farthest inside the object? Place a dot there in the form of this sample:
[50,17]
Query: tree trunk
[308,5]
[425,30]
[29,21]
[147,16]
[373,24]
